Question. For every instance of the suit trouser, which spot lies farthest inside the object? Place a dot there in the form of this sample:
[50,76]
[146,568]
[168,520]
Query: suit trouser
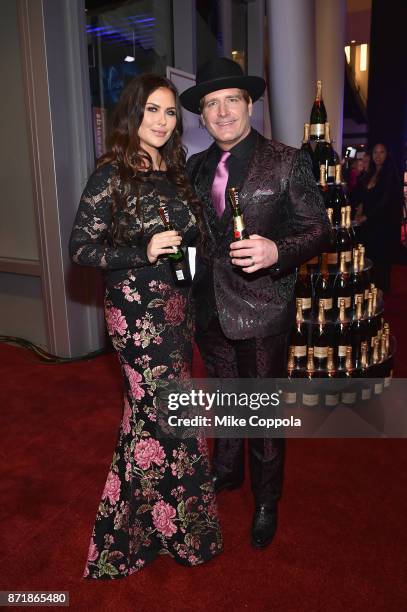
[252,358]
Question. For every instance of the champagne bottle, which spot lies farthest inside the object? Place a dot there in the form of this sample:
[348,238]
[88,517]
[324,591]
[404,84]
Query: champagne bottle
[349,394]
[363,374]
[359,332]
[343,239]
[321,339]
[388,366]
[298,340]
[365,273]
[337,199]
[373,289]
[342,288]
[332,157]
[239,230]
[323,289]
[318,115]
[342,336]
[178,262]
[324,157]
[289,392]
[348,224]
[357,280]
[332,253]
[372,326]
[310,395]
[303,289]
[331,398]
[323,187]
[305,146]
[376,370]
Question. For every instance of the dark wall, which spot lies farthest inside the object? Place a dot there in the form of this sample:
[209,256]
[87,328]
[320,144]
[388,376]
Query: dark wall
[387,97]
[387,101]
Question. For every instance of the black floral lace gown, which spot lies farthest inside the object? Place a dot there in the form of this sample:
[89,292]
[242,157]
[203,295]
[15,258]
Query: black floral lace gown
[158,495]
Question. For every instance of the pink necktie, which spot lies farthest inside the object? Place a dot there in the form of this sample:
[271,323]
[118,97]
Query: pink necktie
[219,184]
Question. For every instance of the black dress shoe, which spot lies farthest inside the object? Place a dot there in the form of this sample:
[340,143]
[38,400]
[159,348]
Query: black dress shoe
[264,525]
[225,482]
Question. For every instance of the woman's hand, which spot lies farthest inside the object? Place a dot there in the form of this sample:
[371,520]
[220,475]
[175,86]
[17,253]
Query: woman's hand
[162,243]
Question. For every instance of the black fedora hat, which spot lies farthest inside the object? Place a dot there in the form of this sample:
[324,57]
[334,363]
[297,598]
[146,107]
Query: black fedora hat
[220,73]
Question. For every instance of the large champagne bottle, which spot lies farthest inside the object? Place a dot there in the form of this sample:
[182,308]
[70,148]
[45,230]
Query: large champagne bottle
[178,262]
[318,115]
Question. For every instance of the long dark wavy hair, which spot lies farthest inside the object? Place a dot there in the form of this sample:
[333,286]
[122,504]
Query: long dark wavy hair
[134,164]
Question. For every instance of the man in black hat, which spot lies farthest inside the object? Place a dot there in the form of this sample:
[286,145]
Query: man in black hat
[243,318]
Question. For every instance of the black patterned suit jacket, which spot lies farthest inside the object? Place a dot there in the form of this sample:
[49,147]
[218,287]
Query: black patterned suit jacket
[279,200]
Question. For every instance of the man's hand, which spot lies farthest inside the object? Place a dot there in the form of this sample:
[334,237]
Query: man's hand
[256,253]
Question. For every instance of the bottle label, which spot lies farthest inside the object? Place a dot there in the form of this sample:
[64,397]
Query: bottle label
[327,304]
[321,352]
[332,399]
[180,275]
[355,298]
[290,398]
[300,351]
[348,256]
[332,259]
[317,129]
[310,399]
[366,393]
[341,350]
[372,341]
[331,172]
[306,303]
[387,380]
[347,300]
[238,227]
[366,294]
[349,397]
[378,388]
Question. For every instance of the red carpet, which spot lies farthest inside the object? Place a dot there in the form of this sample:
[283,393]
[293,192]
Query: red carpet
[341,543]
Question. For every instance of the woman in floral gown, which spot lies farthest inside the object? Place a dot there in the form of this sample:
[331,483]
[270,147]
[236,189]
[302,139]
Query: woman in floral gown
[158,497]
